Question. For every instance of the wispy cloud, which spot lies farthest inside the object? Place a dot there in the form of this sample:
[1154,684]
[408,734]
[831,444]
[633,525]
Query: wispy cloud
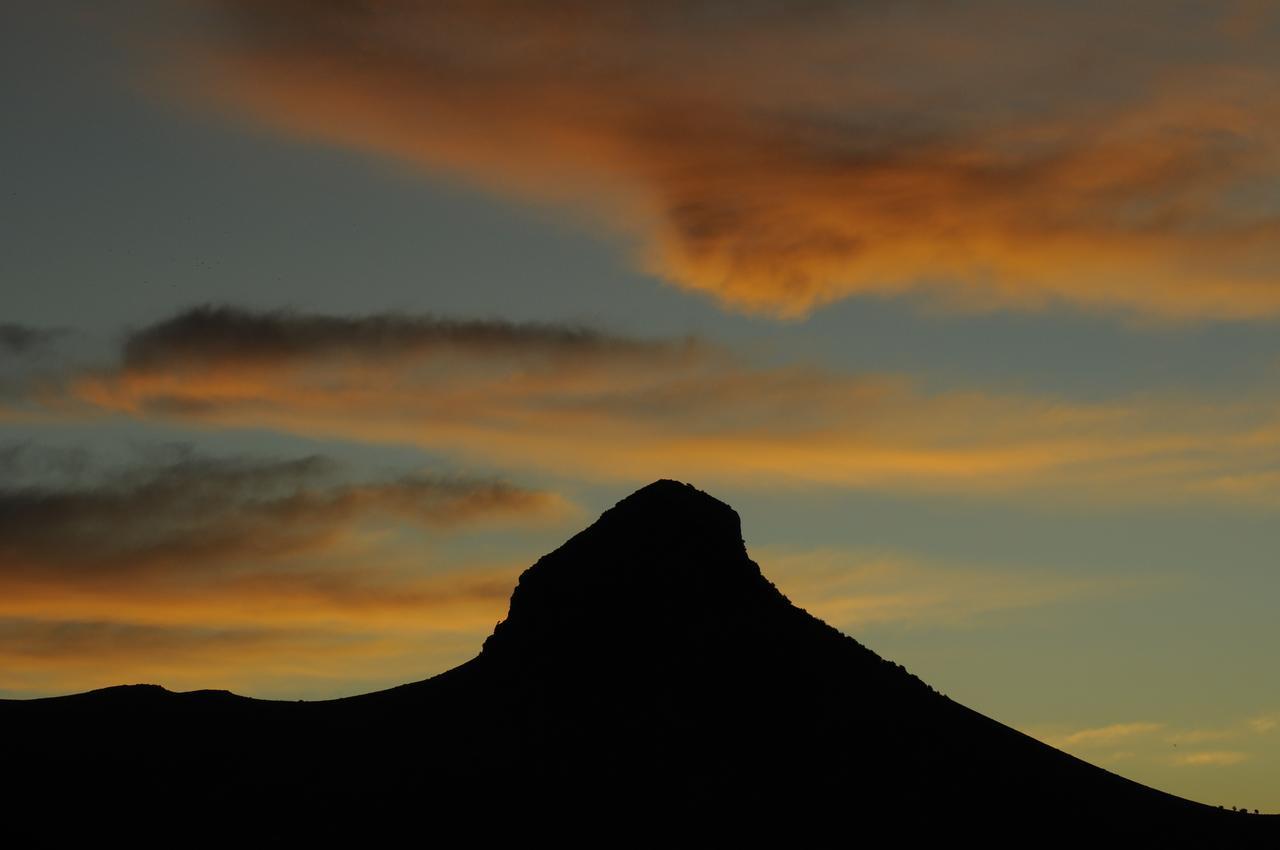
[195,512]
[1200,736]
[782,155]
[595,404]
[223,337]
[181,566]
[1157,743]
[1210,758]
[1265,723]
[1104,735]
[855,589]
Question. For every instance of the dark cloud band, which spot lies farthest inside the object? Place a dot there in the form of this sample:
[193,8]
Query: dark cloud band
[195,514]
[223,334]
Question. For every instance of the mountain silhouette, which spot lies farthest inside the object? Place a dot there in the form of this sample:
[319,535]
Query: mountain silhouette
[646,674]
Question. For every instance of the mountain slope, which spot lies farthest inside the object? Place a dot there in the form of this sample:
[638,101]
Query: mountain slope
[646,670]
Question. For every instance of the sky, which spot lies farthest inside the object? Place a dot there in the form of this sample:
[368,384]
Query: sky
[319,322]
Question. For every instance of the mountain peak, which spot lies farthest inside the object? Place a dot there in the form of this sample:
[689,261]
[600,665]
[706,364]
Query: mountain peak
[662,559]
[648,673]
[672,496]
[674,511]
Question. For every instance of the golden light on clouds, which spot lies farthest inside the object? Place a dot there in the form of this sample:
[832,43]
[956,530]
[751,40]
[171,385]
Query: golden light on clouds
[623,408]
[1155,747]
[263,573]
[1061,511]
[860,150]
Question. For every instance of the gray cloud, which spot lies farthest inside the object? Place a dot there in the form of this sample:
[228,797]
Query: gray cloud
[588,402]
[23,339]
[210,335]
[191,513]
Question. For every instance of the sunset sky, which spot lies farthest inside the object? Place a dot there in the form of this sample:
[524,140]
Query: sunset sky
[320,321]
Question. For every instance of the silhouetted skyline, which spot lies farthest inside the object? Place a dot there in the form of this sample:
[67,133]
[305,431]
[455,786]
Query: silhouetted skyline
[316,319]
[646,669]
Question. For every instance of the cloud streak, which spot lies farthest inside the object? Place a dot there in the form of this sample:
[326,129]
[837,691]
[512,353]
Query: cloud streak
[1155,744]
[605,406]
[1106,735]
[780,156]
[1265,723]
[1211,758]
[222,336]
[854,590]
[196,513]
[260,573]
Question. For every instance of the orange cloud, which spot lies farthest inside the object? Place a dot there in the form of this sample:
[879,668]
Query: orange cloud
[782,156]
[196,572]
[634,409]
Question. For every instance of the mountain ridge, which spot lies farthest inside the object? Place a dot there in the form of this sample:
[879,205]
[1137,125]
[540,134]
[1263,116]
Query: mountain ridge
[645,665]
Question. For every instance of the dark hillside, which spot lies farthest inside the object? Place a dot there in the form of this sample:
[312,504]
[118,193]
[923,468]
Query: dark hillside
[647,673]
